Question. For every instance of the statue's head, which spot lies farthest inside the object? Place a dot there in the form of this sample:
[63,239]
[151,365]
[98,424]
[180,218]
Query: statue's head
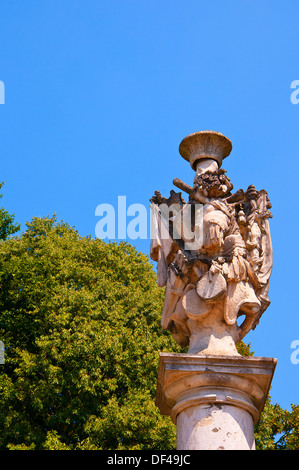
[213,184]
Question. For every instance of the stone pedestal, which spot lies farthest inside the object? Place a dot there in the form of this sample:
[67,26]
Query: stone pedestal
[215,401]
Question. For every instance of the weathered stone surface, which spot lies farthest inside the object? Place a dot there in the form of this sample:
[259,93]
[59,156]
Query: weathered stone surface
[214,401]
[214,257]
[214,252]
[210,427]
[205,145]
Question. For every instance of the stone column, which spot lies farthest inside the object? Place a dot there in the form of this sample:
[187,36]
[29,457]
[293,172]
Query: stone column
[215,401]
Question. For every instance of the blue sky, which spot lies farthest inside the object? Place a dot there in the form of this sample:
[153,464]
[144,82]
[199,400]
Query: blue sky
[99,94]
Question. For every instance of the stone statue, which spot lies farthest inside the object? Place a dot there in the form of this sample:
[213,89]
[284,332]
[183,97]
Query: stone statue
[214,252]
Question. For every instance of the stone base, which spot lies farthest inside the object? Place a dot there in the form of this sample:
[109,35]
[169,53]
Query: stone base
[215,401]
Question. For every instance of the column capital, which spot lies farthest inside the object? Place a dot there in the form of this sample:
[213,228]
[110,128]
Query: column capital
[186,380]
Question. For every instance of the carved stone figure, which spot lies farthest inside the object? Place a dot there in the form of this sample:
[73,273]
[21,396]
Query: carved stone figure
[214,252]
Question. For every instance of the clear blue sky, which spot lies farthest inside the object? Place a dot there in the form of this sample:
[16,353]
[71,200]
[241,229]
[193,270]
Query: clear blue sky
[99,94]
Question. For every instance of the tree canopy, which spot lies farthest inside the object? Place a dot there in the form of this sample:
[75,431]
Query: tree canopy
[7,224]
[80,320]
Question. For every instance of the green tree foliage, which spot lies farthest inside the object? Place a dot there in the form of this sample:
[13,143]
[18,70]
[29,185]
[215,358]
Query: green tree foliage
[278,429]
[80,320]
[7,225]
